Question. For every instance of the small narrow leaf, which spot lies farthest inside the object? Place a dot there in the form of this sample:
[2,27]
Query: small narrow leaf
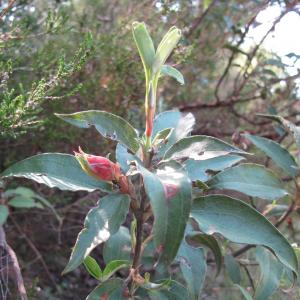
[100,223]
[240,223]
[251,179]
[92,267]
[271,272]
[233,269]
[277,153]
[193,267]
[4,212]
[113,267]
[144,44]
[209,241]
[246,295]
[56,170]
[110,289]
[108,124]
[166,46]
[172,72]
[23,202]
[200,147]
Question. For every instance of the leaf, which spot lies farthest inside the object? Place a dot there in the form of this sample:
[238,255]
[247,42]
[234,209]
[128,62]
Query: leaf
[295,130]
[4,212]
[202,239]
[240,223]
[172,72]
[182,126]
[246,295]
[56,170]
[277,153]
[251,179]
[123,157]
[108,124]
[118,246]
[170,213]
[100,223]
[271,272]
[199,169]
[92,267]
[144,44]
[110,289]
[162,136]
[165,47]
[23,202]
[113,267]
[233,269]
[193,267]
[206,4]
[200,147]
[176,291]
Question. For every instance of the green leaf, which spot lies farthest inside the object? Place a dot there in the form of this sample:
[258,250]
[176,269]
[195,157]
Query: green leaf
[113,267]
[176,291]
[200,147]
[23,202]
[4,212]
[246,295]
[206,4]
[110,289]
[209,241]
[118,246]
[202,169]
[170,213]
[100,223]
[251,179]
[162,136]
[240,223]
[295,130]
[172,72]
[144,44]
[277,153]
[271,272]
[193,267]
[92,267]
[165,47]
[232,268]
[56,170]
[108,124]
[182,126]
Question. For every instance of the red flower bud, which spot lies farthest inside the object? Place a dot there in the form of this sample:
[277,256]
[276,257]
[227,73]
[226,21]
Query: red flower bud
[99,167]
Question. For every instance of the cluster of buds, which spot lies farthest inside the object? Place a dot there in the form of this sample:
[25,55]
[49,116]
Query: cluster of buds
[102,168]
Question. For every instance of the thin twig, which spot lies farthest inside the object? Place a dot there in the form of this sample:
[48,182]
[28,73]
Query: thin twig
[7,9]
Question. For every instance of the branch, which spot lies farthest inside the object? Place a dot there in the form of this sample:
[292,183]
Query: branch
[7,9]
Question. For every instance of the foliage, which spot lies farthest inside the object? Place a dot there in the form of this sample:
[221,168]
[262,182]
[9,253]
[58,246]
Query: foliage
[156,190]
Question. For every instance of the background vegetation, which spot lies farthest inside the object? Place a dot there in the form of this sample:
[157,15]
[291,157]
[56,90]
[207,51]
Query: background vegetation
[66,56]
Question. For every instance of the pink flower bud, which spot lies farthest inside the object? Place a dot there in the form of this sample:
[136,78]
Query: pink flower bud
[99,167]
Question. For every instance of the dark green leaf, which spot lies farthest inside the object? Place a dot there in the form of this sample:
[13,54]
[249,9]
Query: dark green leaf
[193,267]
[113,267]
[144,44]
[169,192]
[246,295]
[56,170]
[92,267]
[200,169]
[209,241]
[240,223]
[100,223]
[271,272]
[172,72]
[200,147]
[3,214]
[118,246]
[110,289]
[108,124]
[251,179]
[277,153]
[232,268]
